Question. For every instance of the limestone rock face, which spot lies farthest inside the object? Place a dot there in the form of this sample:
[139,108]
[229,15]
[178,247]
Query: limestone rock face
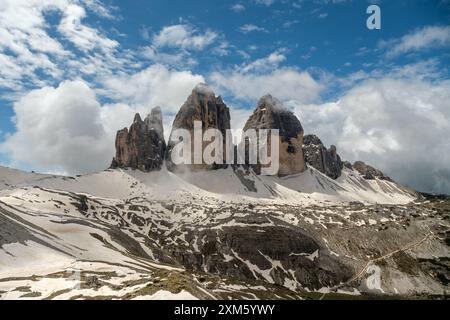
[143,146]
[271,114]
[325,160]
[315,269]
[203,106]
[369,172]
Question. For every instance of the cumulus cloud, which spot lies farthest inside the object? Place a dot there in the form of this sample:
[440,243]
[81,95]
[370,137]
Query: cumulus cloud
[267,63]
[59,128]
[66,129]
[237,7]
[155,86]
[397,120]
[421,39]
[176,45]
[400,125]
[251,81]
[285,83]
[184,36]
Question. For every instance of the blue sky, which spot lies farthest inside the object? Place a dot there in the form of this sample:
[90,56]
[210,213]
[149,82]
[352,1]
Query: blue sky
[72,72]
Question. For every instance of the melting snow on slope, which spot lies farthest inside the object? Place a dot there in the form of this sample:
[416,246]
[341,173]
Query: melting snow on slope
[167,295]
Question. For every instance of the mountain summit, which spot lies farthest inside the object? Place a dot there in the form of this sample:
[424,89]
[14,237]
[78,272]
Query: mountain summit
[325,160]
[143,146]
[203,106]
[271,114]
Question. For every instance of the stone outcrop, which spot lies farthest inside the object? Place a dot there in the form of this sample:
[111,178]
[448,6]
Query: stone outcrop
[313,268]
[203,106]
[348,165]
[142,146]
[369,172]
[271,114]
[325,160]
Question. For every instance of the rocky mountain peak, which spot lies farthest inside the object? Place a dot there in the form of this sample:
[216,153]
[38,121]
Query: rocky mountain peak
[143,146]
[203,89]
[153,121]
[203,106]
[137,118]
[318,156]
[271,114]
[268,101]
[312,139]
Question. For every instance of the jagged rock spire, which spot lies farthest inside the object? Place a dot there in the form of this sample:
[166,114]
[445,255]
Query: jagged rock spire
[143,146]
[325,160]
[271,114]
[204,106]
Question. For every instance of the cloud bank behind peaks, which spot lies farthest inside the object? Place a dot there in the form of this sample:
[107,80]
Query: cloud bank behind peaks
[400,125]
[66,129]
[55,124]
[251,81]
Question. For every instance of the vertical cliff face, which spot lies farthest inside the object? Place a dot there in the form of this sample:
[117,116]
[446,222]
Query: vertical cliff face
[203,106]
[325,160]
[142,146]
[271,114]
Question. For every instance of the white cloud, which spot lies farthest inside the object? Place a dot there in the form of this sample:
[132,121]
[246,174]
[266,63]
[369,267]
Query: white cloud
[222,49]
[28,49]
[237,7]
[178,59]
[422,39]
[59,129]
[267,3]
[239,117]
[290,23]
[66,129]
[98,8]
[400,125]
[154,86]
[251,81]
[246,28]
[397,120]
[25,45]
[185,37]
[284,83]
[84,37]
[268,63]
